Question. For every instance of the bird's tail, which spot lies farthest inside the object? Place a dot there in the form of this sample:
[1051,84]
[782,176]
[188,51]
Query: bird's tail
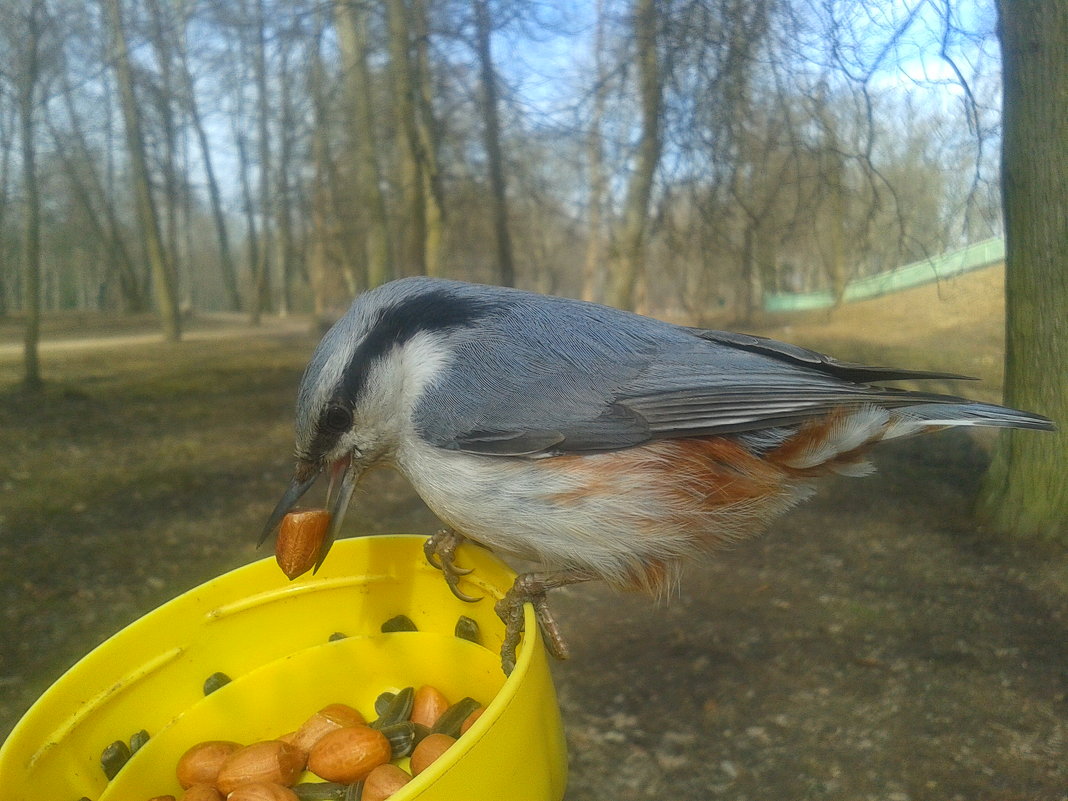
[925,416]
[839,442]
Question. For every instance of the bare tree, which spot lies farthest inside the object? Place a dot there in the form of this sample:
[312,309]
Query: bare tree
[261,272]
[631,240]
[334,260]
[413,223]
[89,189]
[163,92]
[593,272]
[707,145]
[491,132]
[351,23]
[1025,491]
[8,135]
[287,120]
[188,97]
[429,136]
[162,277]
[27,83]
[832,168]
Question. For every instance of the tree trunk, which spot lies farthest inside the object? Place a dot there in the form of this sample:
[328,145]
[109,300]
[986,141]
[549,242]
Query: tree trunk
[334,264]
[31,249]
[836,260]
[351,23]
[1025,491]
[218,215]
[244,169]
[429,135]
[594,267]
[746,301]
[286,249]
[491,132]
[161,43]
[162,278]
[409,159]
[630,247]
[261,268]
[319,267]
[7,140]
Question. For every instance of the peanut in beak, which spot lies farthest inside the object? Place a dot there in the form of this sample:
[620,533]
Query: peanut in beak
[300,539]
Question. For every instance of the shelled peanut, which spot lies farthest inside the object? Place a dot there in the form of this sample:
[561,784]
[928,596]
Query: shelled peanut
[201,763]
[337,745]
[300,538]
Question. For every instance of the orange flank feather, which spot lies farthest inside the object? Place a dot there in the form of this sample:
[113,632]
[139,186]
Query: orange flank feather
[691,495]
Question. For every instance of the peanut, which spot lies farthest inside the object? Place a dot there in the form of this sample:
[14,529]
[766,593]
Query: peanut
[383,781]
[300,537]
[268,761]
[327,719]
[429,749]
[428,705]
[201,763]
[348,754]
[262,791]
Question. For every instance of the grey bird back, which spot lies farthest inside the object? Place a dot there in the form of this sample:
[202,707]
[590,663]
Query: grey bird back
[541,374]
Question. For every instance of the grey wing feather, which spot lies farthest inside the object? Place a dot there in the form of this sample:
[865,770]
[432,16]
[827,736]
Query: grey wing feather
[550,375]
[508,443]
[803,357]
[700,412]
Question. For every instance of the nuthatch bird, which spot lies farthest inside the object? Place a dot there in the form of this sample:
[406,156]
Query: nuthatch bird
[597,442]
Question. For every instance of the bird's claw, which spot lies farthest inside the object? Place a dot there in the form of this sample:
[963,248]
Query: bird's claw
[440,550]
[528,589]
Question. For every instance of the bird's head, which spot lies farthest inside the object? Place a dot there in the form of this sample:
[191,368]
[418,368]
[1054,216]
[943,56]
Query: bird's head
[358,391]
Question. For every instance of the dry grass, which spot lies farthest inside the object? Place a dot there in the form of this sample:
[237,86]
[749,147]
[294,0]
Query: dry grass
[956,325]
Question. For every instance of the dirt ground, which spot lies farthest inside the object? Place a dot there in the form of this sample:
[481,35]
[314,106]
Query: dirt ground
[875,645]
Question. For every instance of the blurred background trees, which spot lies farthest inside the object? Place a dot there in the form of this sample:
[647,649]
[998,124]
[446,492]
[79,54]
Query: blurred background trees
[681,156]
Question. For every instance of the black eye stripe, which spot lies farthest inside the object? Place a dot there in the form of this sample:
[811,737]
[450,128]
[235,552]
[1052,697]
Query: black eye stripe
[431,310]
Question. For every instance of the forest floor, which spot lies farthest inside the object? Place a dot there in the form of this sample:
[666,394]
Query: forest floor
[876,644]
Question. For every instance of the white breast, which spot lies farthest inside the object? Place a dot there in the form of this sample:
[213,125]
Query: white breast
[537,511]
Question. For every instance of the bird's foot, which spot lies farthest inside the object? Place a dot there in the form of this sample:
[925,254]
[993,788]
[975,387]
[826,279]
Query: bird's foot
[440,550]
[531,588]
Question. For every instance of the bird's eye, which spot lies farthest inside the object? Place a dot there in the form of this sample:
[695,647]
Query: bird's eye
[337,418]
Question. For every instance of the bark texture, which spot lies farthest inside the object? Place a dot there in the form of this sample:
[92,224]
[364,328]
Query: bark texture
[1025,492]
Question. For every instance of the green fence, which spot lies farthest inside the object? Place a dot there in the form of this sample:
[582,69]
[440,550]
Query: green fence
[972,257]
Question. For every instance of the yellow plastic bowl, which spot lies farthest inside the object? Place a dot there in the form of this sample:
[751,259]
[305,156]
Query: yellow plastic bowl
[271,636]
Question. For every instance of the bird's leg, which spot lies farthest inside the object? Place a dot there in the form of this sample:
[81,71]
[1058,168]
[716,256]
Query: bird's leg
[440,550]
[531,587]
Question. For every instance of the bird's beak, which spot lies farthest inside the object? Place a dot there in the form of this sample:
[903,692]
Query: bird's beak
[306,475]
[337,504]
